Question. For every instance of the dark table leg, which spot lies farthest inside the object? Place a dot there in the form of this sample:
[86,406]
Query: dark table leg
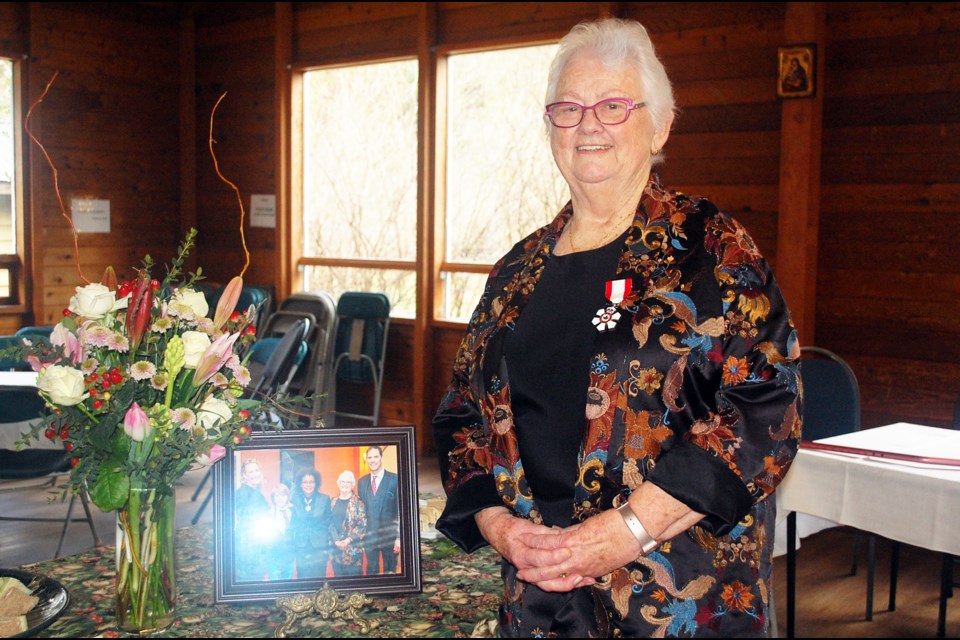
[791,570]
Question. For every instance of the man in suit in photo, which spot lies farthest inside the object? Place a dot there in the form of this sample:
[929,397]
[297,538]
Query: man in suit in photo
[380,494]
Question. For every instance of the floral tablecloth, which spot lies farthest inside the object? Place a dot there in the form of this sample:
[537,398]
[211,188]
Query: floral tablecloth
[459,598]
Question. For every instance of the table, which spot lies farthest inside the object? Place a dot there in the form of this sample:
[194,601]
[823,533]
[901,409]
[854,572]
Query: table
[460,592]
[11,432]
[911,502]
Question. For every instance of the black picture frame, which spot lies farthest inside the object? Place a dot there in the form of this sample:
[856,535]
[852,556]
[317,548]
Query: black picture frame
[243,551]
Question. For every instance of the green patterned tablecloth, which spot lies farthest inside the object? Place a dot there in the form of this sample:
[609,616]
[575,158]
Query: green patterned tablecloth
[460,597]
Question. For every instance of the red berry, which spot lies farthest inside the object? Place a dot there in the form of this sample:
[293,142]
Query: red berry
[236,439]
[64,433]
[244,430]
[94,376]
[97,403]
[68,446]
[66,313]
[74,462]
[105,384]
[93,392]
[244,414]
[154,284]
[116,378]
[50,433]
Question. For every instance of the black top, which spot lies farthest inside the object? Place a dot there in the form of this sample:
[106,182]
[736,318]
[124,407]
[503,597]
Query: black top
[548,357]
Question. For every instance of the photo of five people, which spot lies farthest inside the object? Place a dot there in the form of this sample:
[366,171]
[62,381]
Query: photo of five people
[316,513]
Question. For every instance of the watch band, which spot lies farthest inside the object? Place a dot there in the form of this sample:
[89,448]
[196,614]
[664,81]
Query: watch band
[647,542]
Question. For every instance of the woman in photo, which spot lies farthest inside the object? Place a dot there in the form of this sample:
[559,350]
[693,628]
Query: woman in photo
[348,524]
[310,525]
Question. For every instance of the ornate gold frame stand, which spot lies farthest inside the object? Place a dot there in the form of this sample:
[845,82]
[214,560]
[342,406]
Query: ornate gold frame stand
[326,603]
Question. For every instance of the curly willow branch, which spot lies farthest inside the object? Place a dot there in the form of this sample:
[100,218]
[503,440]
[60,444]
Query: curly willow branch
[56,178]
[216,165]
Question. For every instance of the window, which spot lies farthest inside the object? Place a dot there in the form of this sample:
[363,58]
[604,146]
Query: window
[360,181]
[10,260]
[501,183]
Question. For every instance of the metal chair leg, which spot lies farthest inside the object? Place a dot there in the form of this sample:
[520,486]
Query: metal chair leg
[85,501]
[871,566]
[66,523]
[946,587]
[203,505]
[894,572]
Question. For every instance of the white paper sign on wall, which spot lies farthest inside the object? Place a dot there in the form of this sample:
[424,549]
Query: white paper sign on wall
[263,211]
[90,216]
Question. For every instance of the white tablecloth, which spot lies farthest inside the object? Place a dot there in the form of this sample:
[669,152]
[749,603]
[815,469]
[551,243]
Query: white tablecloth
[915,503]
[10,432]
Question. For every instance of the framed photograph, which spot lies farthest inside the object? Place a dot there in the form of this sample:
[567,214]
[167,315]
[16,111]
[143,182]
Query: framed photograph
[296,510]
[798,67]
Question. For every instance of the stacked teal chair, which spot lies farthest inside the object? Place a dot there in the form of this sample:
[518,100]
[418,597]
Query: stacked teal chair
[361,345]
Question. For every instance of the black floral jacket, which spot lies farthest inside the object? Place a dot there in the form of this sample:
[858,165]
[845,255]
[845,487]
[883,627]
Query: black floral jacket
[695,388]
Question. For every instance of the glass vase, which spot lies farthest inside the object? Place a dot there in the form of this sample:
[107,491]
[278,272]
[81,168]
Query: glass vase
[146,577]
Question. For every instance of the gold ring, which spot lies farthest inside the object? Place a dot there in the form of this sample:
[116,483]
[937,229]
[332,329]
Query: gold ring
[563,575]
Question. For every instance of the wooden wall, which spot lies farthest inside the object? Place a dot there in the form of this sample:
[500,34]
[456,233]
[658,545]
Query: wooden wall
[109,124]
[887,278]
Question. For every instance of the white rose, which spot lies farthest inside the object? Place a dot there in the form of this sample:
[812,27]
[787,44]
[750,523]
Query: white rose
[213,411]
[94,301]
[63,385]
[187,302]
[195,344]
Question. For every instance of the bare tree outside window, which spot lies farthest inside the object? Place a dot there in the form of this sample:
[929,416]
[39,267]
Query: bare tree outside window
[502,182]
[360,178]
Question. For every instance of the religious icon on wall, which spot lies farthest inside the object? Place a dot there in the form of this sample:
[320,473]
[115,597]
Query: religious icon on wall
[797,65]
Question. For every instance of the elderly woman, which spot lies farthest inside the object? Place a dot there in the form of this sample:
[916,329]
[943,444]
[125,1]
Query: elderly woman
[626,398]
[348,523]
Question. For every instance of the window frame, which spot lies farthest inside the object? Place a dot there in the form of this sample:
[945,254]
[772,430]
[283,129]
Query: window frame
[15,263]
[301,262]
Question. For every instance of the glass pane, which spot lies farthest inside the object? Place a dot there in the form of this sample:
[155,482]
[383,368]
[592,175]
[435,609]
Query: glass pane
[400,286]
[8,221]
[461,293]
[360,161]
[502,182]
[4,283]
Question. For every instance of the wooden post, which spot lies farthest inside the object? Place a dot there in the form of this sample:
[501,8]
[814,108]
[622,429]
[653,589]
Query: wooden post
[283,54]
[427,268]
[800,147]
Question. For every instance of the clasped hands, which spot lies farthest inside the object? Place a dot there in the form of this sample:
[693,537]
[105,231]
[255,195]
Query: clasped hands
[559,559]
[563,559]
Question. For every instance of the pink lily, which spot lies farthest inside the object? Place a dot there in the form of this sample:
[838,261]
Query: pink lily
[136,423]
[216,452]
[213,359]
[228,301]
[72,349]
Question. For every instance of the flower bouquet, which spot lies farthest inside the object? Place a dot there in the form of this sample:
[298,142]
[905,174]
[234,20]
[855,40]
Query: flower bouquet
[140,385]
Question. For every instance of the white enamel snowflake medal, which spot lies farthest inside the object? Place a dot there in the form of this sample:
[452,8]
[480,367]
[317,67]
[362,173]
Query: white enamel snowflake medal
[607,316]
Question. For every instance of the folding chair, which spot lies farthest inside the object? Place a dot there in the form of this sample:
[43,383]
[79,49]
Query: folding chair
[316,376]
[283,354]
[363,323]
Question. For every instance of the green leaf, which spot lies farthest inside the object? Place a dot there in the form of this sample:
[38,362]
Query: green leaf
[112,487]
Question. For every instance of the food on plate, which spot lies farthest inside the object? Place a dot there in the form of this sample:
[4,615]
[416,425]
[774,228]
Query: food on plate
[16,599]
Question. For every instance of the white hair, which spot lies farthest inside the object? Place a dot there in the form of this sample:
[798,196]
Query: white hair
[618,42]
[347,475]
